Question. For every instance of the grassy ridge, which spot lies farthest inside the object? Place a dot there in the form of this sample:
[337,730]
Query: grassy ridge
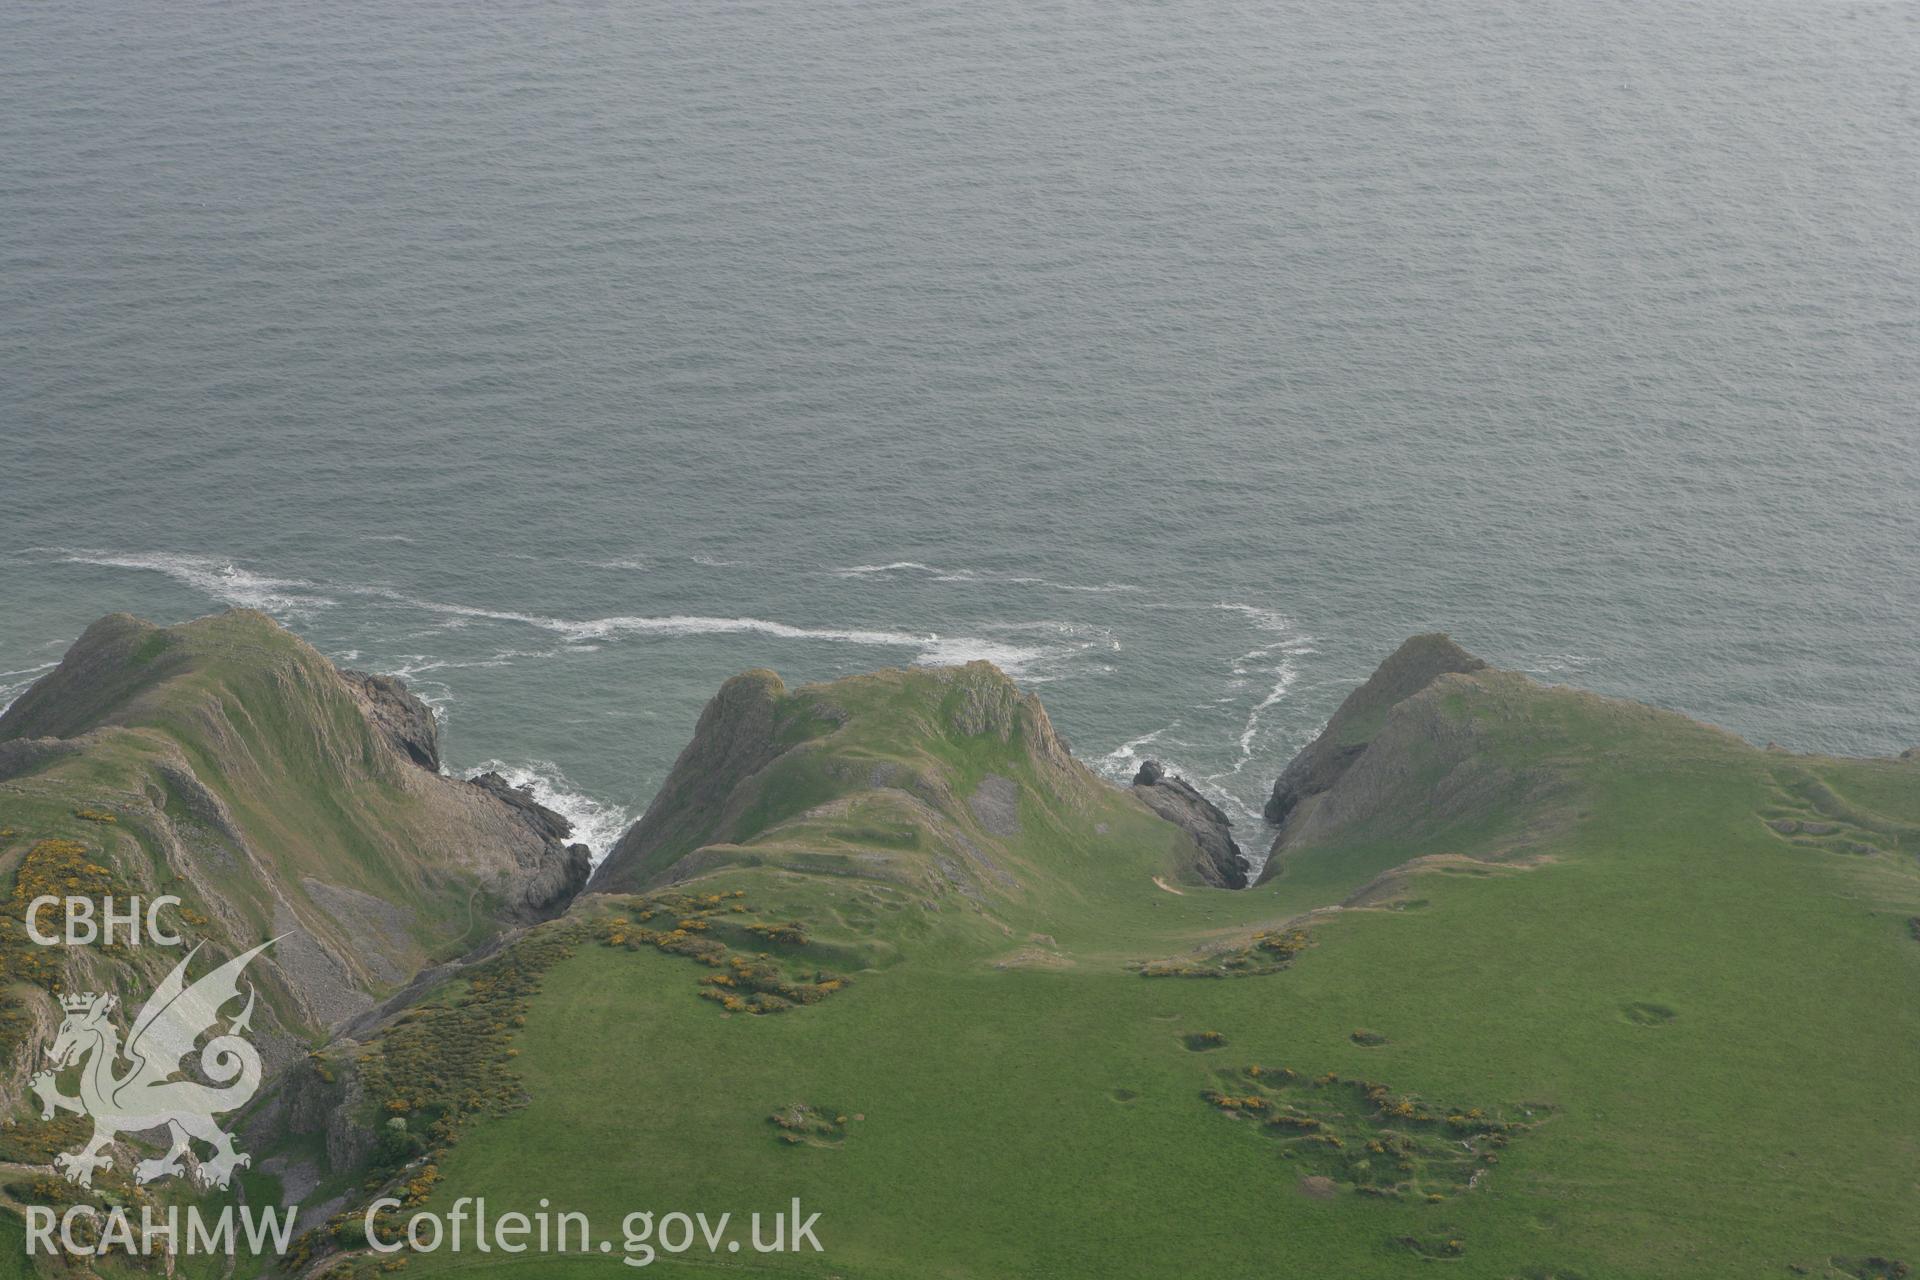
[1545,985]
[236,733]
[227,763]
[1711,1021]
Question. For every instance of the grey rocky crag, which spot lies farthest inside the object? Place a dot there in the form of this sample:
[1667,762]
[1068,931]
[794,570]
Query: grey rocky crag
[409,726]
[1411,668]
[548,881]
[405,721]
[1173,798]
[1391,739]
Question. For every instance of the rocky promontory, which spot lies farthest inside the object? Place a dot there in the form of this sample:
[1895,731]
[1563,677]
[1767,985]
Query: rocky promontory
[227,762]
[1175,799]
[1411,668]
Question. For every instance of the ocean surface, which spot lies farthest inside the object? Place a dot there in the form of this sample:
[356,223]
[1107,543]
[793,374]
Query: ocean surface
[1181,358]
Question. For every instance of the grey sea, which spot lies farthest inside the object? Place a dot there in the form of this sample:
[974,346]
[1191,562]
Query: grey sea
[1180,358]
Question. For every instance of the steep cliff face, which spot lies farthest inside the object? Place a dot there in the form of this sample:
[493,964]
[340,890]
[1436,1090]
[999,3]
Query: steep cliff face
[1407,758]
[227,762]
[743,729]
[405,721]
[1411,668]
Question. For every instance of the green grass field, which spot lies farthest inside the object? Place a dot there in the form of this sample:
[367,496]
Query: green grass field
[1571,988]
[1708,1030]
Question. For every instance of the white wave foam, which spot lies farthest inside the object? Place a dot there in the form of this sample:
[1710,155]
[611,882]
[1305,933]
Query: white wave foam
[1264,618]
[291,597]
[937,574]
[681,624]
[1104,588]
[1287,675]
[596,825]
[1274,659]
[932,648]
[417,664]
[438,694]
[223,580]
[630,563]
[1271,667]
[952,651]
[11,690]
[861,570]
[1125,760]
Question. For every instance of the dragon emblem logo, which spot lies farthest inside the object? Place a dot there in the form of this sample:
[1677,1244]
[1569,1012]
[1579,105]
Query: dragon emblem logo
[141,1085]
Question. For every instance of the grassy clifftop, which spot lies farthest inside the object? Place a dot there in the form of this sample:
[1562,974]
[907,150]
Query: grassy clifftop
[1540,984]
[947,781]
[1545,984]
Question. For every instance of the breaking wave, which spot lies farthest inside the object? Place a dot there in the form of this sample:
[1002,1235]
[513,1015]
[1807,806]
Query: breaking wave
[931,648]
[1125,760]
[11,688]
[595,824]
[292,598]
[212,576]
[935,573]
[1274,660]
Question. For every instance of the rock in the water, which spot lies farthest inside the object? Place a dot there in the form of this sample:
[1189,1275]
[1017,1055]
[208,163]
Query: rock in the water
[1176,800]
[552,825]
